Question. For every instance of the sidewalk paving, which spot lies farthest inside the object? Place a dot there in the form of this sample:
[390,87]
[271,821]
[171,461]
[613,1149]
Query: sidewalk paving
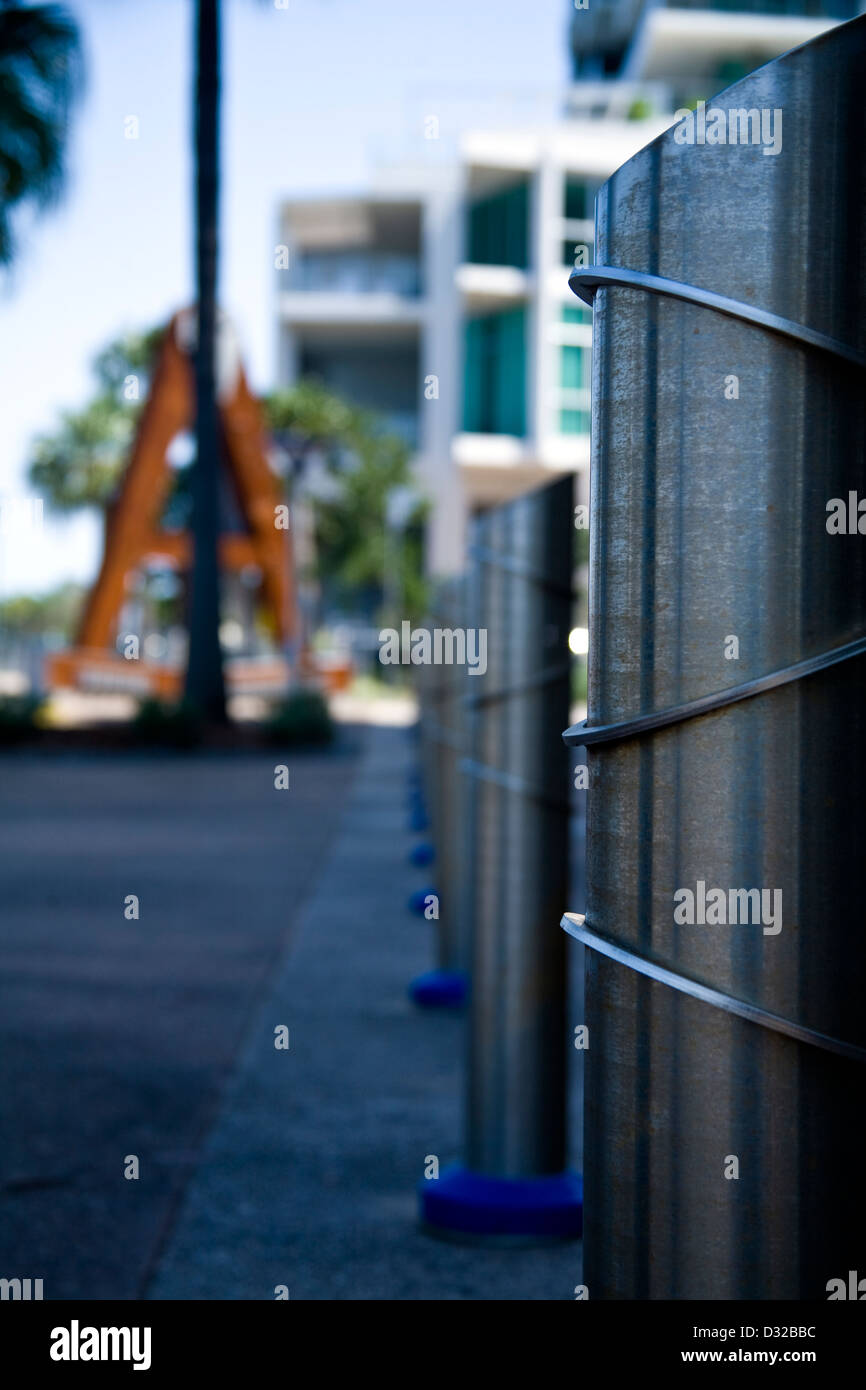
[308,1176]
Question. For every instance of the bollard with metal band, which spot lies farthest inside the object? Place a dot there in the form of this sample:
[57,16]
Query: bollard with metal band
[726,735]
[443,733]
[514,1183]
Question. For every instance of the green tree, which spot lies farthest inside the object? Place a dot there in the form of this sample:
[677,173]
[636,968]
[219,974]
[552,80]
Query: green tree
[55,612]
[80,464]
[363,466]
[40,77]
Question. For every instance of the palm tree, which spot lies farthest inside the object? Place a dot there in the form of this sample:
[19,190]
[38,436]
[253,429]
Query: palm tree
[40,76]
[205,687]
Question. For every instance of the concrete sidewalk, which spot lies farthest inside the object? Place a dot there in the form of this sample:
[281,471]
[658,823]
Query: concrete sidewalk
[308,1176]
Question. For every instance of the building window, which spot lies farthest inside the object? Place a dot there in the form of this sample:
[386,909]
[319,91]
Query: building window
[578,227]
[578,204]
[574,375]
[569,249]
[494,380]
[574,421]
[575,371]
[498,229]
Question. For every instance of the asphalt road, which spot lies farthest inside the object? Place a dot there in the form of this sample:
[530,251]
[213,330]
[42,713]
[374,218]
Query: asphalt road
[116,1034]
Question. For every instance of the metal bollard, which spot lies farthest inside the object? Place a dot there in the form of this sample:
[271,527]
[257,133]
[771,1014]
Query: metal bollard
[514,1183]
[726,1070]
[443,735]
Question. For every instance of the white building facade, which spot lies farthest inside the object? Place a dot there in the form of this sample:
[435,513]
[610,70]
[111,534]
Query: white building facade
[440,299]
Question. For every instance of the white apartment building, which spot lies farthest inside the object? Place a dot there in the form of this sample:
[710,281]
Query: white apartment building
[440,298]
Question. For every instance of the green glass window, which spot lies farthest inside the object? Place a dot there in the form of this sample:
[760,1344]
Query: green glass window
[494,379]
[575,368]
[568,250]
[578,204]
[498,229]
[576,313]
[574,421]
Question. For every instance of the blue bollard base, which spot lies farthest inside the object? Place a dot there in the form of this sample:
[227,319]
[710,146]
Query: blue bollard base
[474,1207]
[422,854]
[439,989]
[418,900]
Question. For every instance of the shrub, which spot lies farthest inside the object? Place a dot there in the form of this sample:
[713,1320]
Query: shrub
[169,725]
[17,717]
[302,717]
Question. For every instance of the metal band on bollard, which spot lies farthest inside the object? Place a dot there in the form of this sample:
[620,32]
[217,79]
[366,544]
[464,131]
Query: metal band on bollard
[585,280]
[589,735]
[576,925]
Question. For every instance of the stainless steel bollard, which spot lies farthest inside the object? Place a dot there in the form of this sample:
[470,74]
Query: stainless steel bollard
[726,1070]
[514,1182]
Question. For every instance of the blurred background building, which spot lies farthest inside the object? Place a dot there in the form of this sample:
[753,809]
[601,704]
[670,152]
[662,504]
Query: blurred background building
[441,299]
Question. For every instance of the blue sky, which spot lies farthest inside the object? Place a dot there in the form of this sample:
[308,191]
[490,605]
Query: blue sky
[315,94]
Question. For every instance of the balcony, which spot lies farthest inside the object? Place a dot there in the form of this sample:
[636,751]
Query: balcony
[698,49]
[354,272]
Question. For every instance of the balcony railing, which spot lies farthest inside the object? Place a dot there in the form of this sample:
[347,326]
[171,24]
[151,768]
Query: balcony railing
[355,273]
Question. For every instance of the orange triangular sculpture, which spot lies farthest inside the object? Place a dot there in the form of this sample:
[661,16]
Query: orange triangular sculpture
[133,534]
